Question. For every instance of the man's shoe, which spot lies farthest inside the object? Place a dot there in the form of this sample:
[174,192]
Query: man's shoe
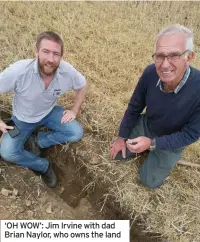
[49,177]
[33,145]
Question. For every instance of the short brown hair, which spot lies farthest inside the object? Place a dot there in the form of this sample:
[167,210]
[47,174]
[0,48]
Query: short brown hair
[50,35]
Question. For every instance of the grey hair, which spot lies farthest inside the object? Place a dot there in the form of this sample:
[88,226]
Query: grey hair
[177,28]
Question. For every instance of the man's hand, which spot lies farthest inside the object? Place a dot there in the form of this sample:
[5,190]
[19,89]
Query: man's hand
[68,116]
[118,145]
[138,144]
[4,127]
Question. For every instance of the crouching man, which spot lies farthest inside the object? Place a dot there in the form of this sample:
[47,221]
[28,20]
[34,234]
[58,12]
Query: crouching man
[37,83]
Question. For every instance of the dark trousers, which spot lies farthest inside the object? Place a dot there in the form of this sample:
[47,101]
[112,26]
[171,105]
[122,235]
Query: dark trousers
[158,164]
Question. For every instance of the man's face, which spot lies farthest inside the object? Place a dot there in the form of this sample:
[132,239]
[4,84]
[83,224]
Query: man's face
[171,72]
[49,56]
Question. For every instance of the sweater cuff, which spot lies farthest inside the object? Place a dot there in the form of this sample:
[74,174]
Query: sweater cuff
[123,134]
[161,143]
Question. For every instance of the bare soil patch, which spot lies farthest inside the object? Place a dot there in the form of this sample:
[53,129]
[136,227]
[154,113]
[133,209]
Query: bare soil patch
[23,195]
[77,196]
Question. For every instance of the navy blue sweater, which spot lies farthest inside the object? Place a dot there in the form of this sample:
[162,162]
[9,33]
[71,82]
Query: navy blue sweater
[173,118]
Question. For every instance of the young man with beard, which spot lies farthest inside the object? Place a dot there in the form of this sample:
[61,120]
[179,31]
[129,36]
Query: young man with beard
[37,83]
[169,89]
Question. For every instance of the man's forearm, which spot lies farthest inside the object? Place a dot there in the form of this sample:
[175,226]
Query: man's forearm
[127,124]
[175,140]
[136,105]
[130,119]
[80,96]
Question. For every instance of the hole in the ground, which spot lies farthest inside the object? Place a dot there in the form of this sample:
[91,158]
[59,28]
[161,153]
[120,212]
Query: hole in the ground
[78,184]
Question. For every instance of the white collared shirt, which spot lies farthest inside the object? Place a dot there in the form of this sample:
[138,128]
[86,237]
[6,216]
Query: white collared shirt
[32,101]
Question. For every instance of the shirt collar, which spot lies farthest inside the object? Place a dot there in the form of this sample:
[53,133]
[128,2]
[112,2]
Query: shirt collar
[35,66]
[181,83]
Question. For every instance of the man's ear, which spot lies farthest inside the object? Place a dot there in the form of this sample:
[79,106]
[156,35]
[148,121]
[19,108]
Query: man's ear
[190,57]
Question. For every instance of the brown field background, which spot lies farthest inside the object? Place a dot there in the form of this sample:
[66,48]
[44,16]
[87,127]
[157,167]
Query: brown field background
[111,43]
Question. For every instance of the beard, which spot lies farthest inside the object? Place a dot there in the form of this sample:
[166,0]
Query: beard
[47,68]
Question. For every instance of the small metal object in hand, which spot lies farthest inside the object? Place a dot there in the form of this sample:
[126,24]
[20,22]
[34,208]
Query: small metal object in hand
[134,143]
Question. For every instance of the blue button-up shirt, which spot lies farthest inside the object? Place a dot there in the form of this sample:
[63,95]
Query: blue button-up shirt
[180,85]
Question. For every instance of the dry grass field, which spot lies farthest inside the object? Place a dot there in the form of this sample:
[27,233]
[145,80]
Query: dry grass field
[111,43]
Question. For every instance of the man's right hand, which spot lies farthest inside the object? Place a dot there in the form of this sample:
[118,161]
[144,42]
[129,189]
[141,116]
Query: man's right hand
[4,127]
[117,146]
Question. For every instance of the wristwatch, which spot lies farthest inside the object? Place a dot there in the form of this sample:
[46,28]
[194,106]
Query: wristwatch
[152,145]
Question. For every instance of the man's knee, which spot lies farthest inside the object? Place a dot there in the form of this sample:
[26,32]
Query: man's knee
[150,183]
[8,149]
[8,154]
[150,180]
[76,133]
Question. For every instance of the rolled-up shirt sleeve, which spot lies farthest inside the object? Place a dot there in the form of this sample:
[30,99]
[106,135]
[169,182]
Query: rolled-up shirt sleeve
[8,79]
[78,80]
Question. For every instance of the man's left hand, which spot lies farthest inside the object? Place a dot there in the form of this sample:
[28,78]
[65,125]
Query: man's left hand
[138,144]
[68,116]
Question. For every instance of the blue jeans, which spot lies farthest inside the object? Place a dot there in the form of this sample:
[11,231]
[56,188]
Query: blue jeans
[12,149]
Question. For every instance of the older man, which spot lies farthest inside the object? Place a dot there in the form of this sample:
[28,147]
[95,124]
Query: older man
[37,83]
[170,92]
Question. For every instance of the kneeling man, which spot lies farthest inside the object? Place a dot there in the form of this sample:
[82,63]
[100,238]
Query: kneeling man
[169,89]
